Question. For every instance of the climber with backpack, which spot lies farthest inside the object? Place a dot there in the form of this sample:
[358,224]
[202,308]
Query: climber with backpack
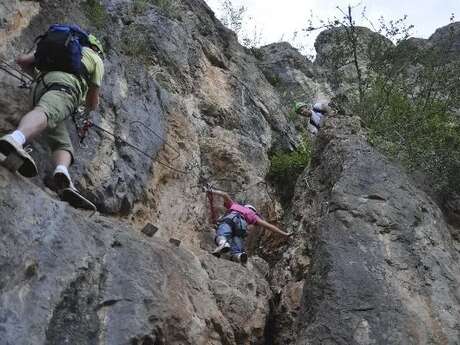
[232,227]
[316,114]
[67,68]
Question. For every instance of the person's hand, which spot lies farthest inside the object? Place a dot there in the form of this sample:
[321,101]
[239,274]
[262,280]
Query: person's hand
[207,188]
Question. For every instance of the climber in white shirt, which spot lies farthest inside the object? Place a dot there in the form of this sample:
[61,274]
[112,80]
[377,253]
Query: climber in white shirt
[316,115]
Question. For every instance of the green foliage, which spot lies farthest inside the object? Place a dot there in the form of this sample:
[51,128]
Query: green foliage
[410,105]
[419,131]
[136,42]
[95,12]
[140,6]
[166,6]
[287,166]
[406,92]
[272,78]
[292,115]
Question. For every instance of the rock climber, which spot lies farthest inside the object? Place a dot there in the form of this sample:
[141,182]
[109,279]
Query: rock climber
[233,226]
[66,75]
[316,114]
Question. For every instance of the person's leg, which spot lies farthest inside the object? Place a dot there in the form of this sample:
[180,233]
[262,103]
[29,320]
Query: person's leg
[33,123]
[223,238]
[62,160]
[237,245]
[59,105]
[238,251]
[36,120]
[224,231]
[50,108]
[62,157]
[60,144]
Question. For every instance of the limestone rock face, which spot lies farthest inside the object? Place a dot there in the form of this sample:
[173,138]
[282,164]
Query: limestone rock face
[380,265]
[69,277]
[171,74]
[293,75]
[329,40]
[371,260]
[448,35]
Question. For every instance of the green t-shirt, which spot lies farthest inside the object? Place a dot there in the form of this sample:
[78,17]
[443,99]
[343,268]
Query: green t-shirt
[94,66]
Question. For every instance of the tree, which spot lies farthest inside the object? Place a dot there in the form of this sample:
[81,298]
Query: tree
[405,90]
[237,19]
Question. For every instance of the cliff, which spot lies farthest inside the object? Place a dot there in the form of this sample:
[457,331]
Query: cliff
[372,259]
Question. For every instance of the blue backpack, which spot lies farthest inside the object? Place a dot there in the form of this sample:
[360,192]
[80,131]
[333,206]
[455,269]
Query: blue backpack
[59,49]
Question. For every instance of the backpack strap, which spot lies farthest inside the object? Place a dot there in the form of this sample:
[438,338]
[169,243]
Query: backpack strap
[38,38]
[235,221]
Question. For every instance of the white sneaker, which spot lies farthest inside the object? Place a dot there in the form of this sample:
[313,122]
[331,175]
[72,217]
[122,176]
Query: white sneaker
[9,145]
[62,178]
[222,246]
[240,257]
[75,199]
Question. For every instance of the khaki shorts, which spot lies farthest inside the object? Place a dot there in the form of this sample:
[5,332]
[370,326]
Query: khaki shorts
[58,106]
[58,138]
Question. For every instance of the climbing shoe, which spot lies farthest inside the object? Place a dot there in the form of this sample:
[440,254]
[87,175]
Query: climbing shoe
[75,199]
[222,246]
[62,179]
[240,257]
[10,146]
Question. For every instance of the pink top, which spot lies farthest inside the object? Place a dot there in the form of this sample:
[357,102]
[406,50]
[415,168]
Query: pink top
[249,215]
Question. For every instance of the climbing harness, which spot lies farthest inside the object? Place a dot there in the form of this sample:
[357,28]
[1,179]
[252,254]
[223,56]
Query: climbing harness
[25,79]
[236,222]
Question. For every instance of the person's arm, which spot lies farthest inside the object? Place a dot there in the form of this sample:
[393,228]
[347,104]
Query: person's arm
[227,200]
[95,81]
[26,62]
[271,227]
[92,98]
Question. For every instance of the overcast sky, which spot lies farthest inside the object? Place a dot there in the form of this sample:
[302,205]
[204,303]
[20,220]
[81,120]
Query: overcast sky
[276,19]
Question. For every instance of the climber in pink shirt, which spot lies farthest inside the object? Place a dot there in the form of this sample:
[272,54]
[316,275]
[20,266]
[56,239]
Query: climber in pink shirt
[232,227]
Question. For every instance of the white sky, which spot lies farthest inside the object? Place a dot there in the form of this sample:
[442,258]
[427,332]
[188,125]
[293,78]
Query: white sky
[281,18]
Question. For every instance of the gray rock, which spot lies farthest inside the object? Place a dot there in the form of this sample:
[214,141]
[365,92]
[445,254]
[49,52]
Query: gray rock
[329,40]
[161,62]
[69,277]
[292,75]
[452,207]
[448,37]
[372,260]
[383,267]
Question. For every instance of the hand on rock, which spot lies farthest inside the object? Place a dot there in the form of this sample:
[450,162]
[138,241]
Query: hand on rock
[207,188]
